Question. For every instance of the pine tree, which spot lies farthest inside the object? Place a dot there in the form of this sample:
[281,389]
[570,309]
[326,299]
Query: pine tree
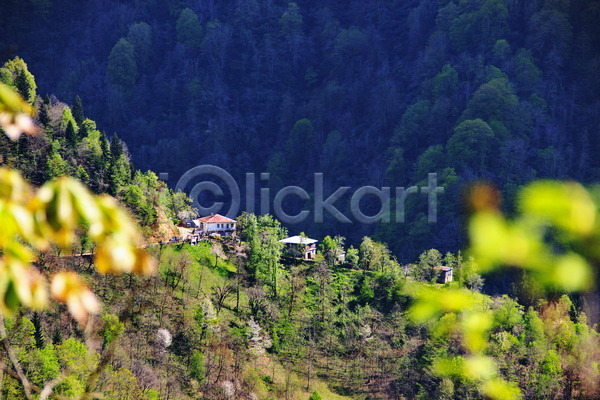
[120,173]
[116,147]
[71,134]
[38,335]
[26,85]
[43,116]
[106,161]
[77,111]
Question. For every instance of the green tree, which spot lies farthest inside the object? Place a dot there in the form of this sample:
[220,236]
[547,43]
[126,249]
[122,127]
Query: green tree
[120,173]
[141,206]
[112,328]
[39,333]
[73,357]
[445,83]
[425,269]
[291,28]
[247,226]
[493,101]
[315,396]
[90,150]
[264,234]
[291,21]
[197,368]
[527,76]
[352,256]
[133,197]
[332,248]
[42,364]
[86,127]
[547,238]
[396,170]
[501,51]
[189,30]
[77,110]
[472,145]
[22,332]
[71,134]
[432,159]
[37,219]
[182,205]
[14,73]
[366,253]
[122,67]
[140,36]
[550,36]
[301,137]
[482,25]
[366,292]
[117,147]
[66,119]
[57,166]
[413,128]
[122,384]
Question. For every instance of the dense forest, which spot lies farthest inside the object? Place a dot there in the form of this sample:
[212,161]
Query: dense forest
[379,93]
[238,319]
[374,93]
[70,144]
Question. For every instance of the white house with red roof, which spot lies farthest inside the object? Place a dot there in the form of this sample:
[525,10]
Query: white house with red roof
[216,224]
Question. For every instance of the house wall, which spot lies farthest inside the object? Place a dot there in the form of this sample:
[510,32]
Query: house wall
[306,252]
[219,227]
[448,276]
[310,252]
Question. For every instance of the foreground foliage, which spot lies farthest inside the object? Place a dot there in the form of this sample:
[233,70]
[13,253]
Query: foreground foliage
[33,221]
[554,239]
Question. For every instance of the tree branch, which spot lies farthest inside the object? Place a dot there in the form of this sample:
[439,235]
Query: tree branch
[14,360]
[35,388]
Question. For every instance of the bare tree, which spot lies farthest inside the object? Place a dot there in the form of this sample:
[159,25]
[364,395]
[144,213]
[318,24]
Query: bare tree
[221,293]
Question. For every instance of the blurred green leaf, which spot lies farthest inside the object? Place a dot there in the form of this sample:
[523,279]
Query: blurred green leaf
[566,205]
[476,326]
[571,273]
[497,389]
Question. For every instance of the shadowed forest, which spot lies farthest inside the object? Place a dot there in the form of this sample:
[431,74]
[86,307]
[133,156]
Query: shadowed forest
[496,97]
[373,92]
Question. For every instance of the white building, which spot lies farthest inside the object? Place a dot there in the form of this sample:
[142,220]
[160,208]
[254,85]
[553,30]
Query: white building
[216,224]
[300,246]
[446,274]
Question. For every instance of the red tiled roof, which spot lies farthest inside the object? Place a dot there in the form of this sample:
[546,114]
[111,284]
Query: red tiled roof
[216,218]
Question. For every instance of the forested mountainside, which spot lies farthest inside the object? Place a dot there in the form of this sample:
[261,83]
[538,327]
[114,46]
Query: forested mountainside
[371,92]
[68,143]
